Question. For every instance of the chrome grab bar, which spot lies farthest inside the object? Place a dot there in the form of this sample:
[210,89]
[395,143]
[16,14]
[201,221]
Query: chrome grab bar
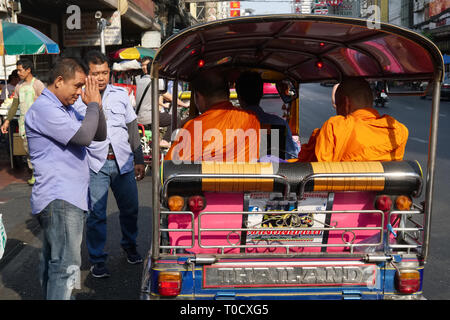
[413,242]
[175,176]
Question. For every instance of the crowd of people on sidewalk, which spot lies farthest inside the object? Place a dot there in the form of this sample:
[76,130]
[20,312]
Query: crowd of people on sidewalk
[82,139]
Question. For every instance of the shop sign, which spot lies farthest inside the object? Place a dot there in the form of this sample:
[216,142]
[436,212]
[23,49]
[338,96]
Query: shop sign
[88,34]
[438,6]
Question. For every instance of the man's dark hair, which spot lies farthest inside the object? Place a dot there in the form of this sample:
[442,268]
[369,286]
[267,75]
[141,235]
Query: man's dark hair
[149,66]
[249,87]
[146,58]
[211,83]
[14,75]
[95,57]
[66,68]
[26,64]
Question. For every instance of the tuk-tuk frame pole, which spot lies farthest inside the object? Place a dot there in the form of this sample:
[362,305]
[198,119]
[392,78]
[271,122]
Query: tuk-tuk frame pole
[432,147]
[155,167]
[174,124]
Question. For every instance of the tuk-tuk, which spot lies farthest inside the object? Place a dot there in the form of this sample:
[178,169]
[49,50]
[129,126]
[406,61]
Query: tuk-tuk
[347,230]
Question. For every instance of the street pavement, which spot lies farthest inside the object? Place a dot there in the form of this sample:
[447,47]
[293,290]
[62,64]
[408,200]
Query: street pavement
[18,269]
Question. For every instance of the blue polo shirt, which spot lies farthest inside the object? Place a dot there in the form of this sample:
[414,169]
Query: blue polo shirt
[292,149]
[118,111]
[61,168]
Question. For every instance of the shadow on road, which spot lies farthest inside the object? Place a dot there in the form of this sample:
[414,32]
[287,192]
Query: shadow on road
[125,280]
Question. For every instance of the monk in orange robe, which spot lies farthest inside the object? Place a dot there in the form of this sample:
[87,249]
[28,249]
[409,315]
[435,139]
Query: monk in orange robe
[221,132]
[357,132]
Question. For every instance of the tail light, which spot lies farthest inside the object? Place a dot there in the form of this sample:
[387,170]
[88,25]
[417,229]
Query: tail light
[403,203]
[408,281]
[197,203]
[169,283]
[201,63]
[383,203]
[319,64]
[176,203]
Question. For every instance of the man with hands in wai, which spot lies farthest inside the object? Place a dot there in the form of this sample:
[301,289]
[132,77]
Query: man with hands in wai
[58,137]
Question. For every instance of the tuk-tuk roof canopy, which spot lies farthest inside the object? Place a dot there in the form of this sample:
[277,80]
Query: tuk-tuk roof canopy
[305,48]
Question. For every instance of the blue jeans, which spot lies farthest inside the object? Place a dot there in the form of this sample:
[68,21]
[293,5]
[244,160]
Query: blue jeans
[62,226]
[125,191]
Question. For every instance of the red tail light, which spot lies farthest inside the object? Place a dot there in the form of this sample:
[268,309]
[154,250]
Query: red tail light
[319,64]
[169,283]
[408,281]
[197,203]
[383,203]
[201,63]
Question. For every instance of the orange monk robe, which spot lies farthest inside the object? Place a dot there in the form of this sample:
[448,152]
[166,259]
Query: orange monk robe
[222,133]
[363,135]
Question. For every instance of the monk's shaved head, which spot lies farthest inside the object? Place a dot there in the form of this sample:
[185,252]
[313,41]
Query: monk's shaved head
[356,93]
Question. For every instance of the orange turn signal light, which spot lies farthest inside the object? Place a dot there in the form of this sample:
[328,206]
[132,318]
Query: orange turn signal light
[176,203]
[403,203]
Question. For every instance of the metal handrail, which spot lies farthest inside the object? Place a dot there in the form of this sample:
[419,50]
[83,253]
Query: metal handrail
[186,176]
[192,229]
[406,230]
[345,230]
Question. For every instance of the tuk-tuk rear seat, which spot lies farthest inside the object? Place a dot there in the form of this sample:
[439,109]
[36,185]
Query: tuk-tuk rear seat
[223,186]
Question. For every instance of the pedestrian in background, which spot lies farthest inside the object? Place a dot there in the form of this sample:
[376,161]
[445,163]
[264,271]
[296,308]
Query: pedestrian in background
[26,92]
[116,162]
[58,137]
[8,90]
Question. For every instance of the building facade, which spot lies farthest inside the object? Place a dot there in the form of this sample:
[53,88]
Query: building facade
[73,24]
[432,18]
[301,6]
[344,8]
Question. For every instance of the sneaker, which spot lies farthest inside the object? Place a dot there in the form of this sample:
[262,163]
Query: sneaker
[31,181]
[133,257]
[99,270]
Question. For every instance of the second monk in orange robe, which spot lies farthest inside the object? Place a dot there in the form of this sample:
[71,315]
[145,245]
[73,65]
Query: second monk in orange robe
[357,132]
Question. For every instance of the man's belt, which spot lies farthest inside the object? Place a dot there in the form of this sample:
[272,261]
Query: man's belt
[110,155]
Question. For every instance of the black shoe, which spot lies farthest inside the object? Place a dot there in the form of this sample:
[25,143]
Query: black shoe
[99,270]
[133,257]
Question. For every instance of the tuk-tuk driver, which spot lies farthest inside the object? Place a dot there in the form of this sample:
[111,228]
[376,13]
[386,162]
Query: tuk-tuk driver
[249,87]
[222,132]
[357,132]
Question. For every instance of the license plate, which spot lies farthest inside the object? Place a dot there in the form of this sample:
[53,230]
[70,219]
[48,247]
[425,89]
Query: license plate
[217,276]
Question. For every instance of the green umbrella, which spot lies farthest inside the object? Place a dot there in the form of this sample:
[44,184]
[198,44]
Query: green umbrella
[21,39]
